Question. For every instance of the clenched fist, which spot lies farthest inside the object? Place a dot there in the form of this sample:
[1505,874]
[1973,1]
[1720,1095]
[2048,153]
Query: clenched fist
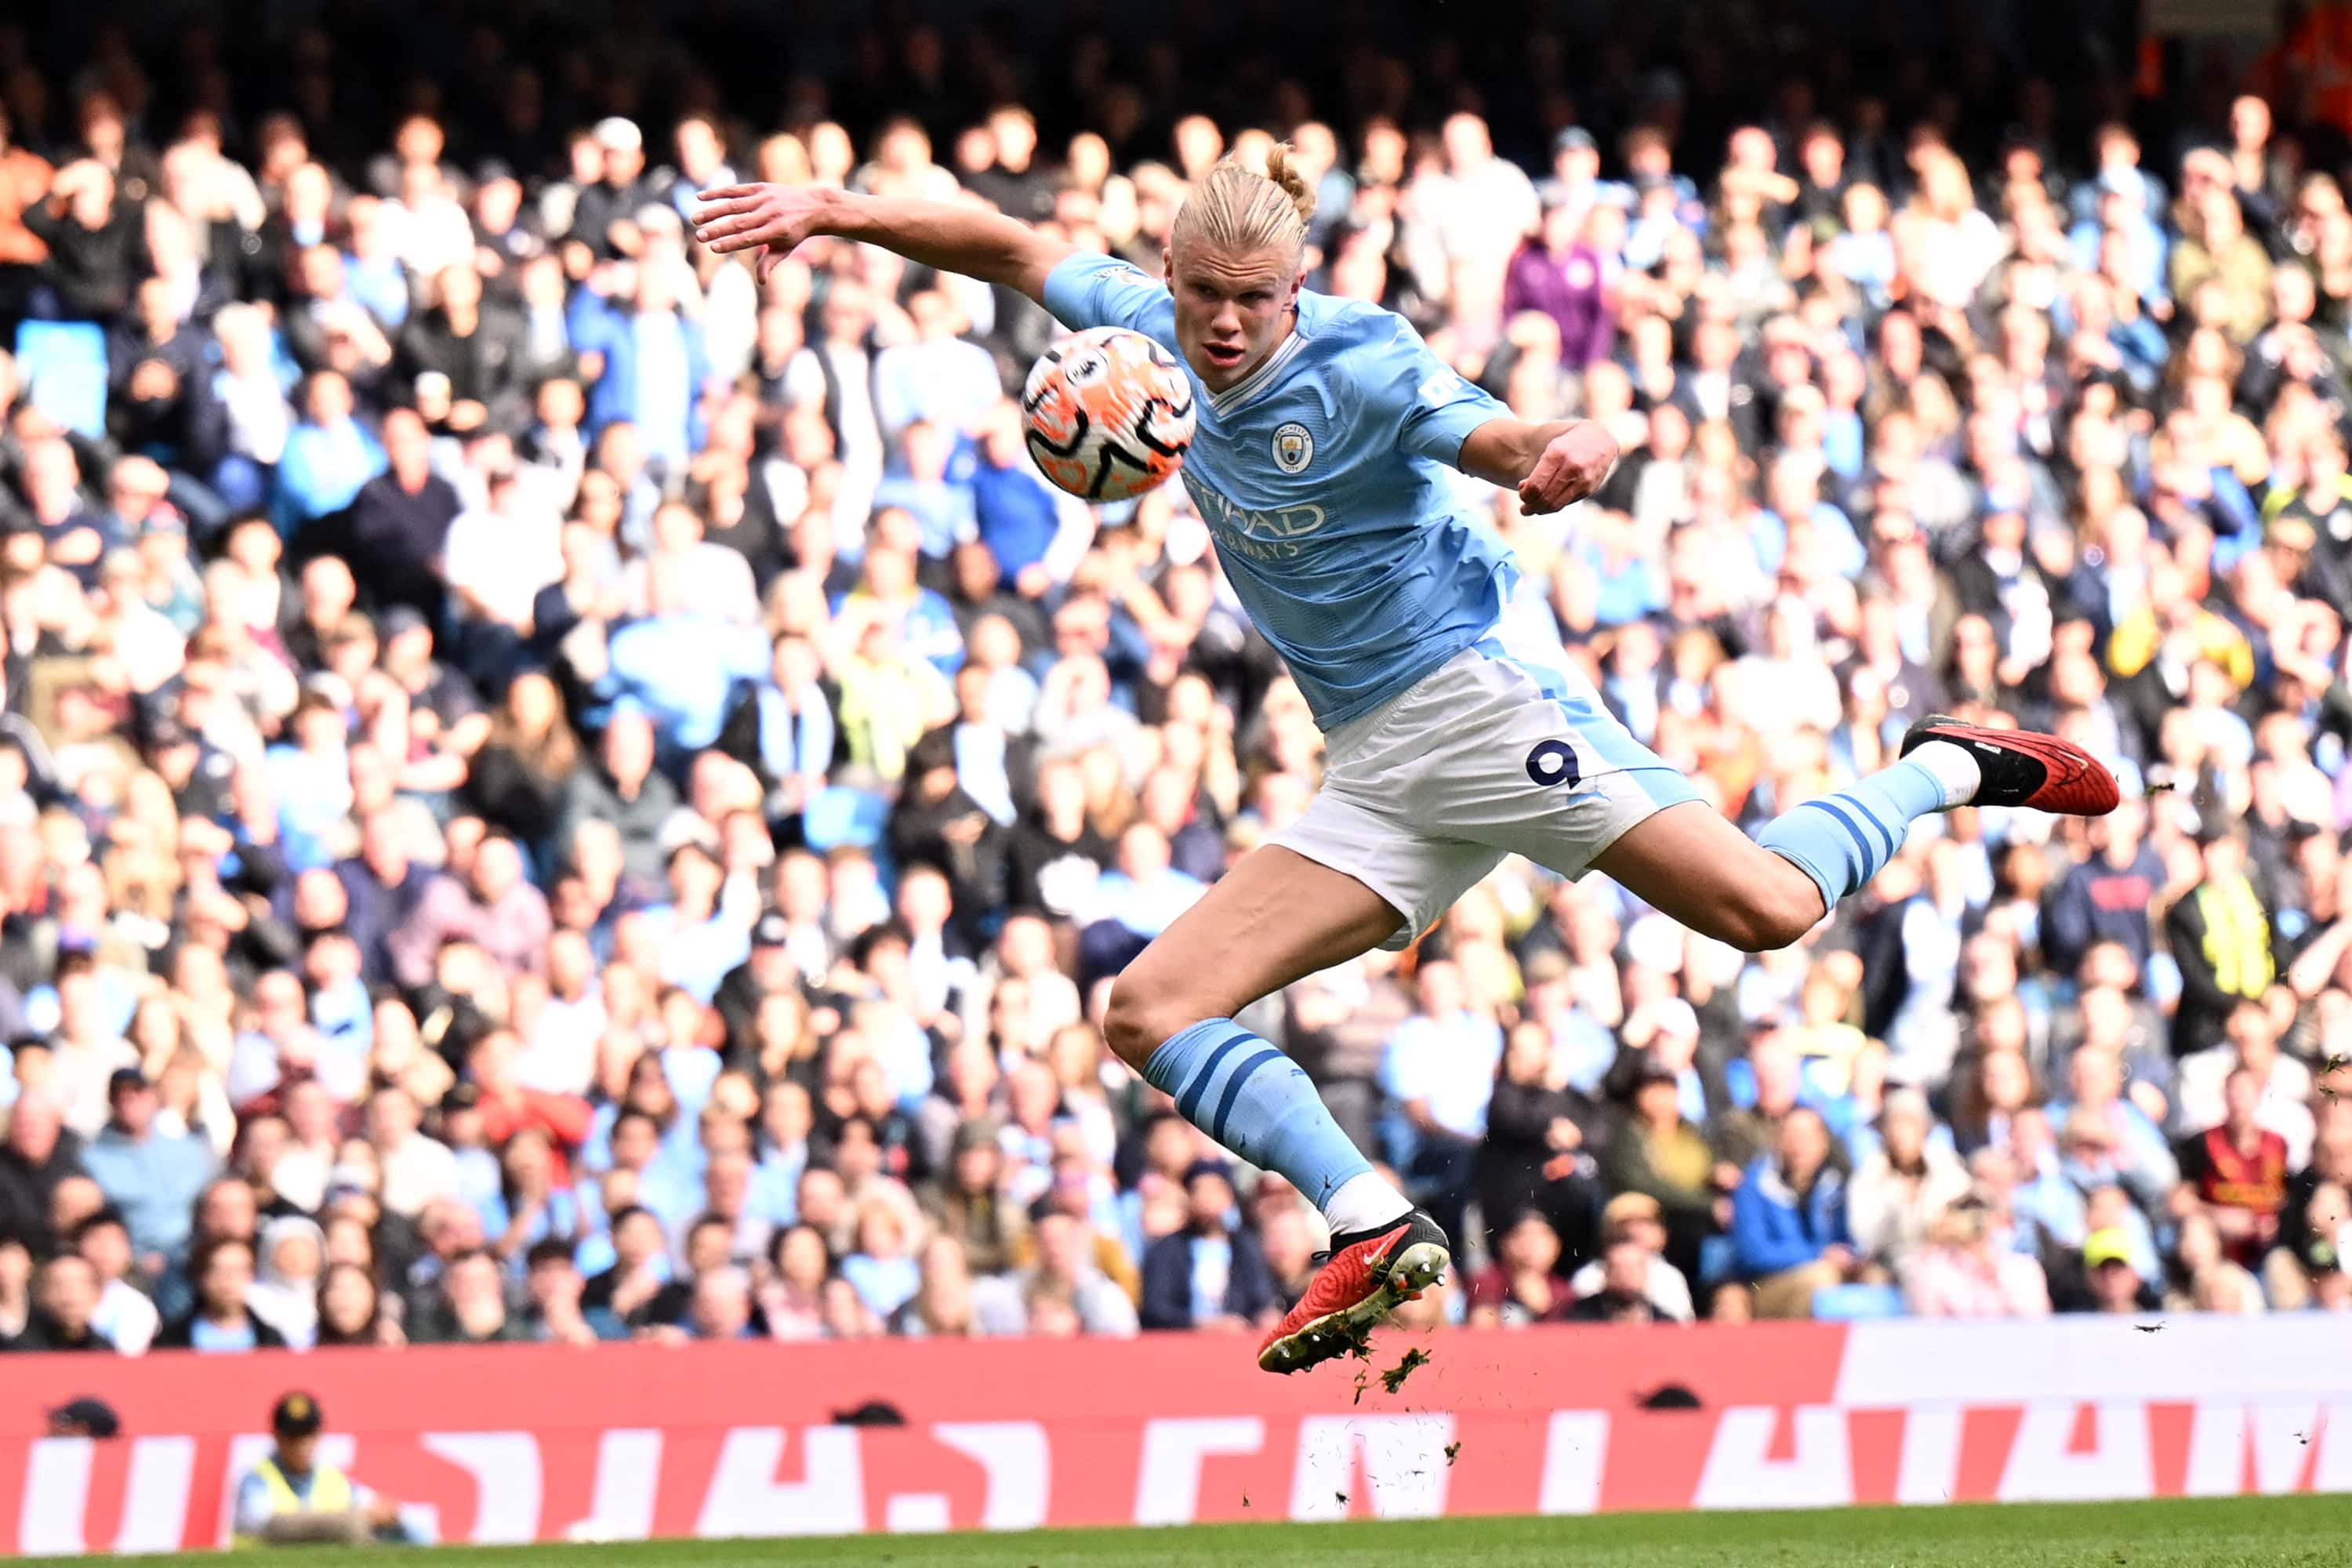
[1572,467]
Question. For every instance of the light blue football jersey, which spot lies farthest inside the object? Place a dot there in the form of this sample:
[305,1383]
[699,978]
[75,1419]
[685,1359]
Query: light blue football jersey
[1321,476]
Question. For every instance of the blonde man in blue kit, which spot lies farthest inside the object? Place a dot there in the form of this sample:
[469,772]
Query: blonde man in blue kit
[1457,729]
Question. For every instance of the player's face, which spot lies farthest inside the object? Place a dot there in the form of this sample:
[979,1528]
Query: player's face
[1232,308]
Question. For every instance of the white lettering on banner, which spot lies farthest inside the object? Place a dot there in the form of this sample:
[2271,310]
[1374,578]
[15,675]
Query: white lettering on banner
[1738,1474]
[1404,1465]
[2333,1473]
[56,1491]
[1929,1469]
[155,1495]
[915,1513]
[628,1479]
[507,1481]
[1168,1482]
[746,1498]
[57,1496]
[248,1449]
[1576,1451]
[1897,1362]
[2044,1467]
[2280,1436]
[1019,1464]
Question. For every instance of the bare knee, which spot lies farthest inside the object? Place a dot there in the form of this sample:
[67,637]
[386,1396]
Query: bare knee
[1146,1008]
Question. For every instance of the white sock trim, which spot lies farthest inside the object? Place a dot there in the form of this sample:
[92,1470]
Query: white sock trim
[1363,1201]
[1951,766]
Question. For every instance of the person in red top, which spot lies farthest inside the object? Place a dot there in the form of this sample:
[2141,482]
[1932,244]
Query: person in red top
[2239,1171]
[1523,1285]
[508,1107]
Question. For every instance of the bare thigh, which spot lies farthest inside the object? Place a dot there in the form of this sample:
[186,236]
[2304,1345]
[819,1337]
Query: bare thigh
[1272,920]
[1691,864]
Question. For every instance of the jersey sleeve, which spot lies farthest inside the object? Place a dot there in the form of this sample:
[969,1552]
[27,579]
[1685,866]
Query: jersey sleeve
[1092,290]
[1434,408]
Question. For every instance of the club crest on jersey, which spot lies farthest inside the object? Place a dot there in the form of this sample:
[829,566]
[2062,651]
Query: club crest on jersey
[1294,449]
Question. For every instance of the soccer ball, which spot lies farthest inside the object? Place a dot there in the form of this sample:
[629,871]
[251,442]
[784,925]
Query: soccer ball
[1108,414]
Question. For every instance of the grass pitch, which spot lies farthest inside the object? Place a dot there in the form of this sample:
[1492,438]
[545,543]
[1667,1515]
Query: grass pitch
[2232,1532]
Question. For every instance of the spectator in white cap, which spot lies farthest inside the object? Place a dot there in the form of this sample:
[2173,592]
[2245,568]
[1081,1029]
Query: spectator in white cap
[604,216]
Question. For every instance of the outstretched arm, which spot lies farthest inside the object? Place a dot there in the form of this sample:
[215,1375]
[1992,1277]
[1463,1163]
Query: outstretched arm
[1551,465]
[971,240]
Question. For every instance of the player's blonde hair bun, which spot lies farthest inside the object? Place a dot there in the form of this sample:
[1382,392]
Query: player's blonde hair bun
[1236,208]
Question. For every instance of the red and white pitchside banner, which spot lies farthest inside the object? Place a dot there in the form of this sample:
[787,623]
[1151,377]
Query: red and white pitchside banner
[528,1443]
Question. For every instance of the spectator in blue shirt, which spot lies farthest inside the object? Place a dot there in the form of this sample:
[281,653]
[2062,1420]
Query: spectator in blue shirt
[328,457]
[343,1009]
[2049,1208]
[223,1321]
[681,670]
[654,364]
[1795,496]
[796,728]
[787,1117]
[371,266]
[701,152]
[2105,1136]
[527,1208]
[2122,208]
[887,592]
[939,378]
[884,1273]
[309,773]
[936,488]
[1210,1274]
[1624,583]
[1134,902]
[153,1176]
[1018,514]
[1788,1220]
[666,1184]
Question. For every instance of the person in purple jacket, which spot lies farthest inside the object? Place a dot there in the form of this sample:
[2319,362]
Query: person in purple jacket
[1561,273]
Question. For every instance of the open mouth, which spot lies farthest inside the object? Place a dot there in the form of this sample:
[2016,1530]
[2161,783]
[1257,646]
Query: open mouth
[1224,356]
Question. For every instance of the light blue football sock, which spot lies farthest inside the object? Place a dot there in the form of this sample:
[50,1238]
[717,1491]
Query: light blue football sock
[1841,840]
[1258,1102]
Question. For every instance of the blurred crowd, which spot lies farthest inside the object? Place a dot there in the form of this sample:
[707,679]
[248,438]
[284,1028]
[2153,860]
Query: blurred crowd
[549,790]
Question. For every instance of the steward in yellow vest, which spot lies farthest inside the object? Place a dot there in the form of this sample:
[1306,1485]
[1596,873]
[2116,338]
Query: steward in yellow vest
[293,1497]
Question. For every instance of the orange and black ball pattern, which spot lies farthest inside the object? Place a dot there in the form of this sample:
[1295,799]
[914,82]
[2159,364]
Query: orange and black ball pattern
[1108,414]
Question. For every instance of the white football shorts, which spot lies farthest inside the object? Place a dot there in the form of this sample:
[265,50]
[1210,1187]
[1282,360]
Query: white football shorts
[1502,750]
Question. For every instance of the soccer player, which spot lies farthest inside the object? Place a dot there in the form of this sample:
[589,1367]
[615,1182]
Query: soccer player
[1456,730]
